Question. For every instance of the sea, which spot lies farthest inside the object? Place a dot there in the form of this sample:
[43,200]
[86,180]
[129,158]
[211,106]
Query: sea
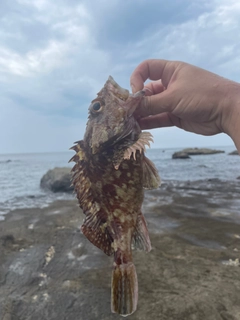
[20,174]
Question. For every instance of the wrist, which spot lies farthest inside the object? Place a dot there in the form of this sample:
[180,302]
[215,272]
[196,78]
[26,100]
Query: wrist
[231,112]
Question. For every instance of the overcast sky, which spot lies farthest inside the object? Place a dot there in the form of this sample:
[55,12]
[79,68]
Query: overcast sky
[56,55]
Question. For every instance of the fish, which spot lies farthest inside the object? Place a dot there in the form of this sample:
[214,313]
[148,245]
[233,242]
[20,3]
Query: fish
[109,176]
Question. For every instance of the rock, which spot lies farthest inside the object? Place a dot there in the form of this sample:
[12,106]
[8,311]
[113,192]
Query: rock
[234,153]
[199,151]
[56,273]
[6,161]
[57,180]
[180,155]
[7,239]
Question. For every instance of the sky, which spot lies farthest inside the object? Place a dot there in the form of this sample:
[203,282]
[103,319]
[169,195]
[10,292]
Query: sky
[56,55]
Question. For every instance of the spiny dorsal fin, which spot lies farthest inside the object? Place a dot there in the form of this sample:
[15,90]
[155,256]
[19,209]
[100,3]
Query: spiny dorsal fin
[101,239]
[139,145]
[94,226]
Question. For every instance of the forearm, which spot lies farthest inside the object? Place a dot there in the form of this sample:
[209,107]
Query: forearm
[231,113]
[235,130]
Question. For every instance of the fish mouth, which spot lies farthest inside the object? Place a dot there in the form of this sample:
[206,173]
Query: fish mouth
[118,91]
[127,100]
[134,100]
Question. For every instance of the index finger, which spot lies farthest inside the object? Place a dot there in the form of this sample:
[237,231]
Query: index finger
[152,69]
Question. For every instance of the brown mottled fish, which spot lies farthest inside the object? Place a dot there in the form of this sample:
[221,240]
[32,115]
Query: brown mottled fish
[110,173]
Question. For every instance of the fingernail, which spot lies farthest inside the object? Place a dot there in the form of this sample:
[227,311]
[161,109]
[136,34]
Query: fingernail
[148,91]
[133,88]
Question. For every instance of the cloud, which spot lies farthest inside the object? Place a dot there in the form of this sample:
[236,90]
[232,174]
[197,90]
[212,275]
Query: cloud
[28,130]
[65,32]
[58,74]
[56,56]
[36,61]
[211,40]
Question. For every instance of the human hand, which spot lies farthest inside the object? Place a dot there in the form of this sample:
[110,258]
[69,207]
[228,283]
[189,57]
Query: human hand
[185,96]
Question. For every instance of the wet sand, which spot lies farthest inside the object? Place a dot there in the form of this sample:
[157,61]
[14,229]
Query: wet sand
[48,270]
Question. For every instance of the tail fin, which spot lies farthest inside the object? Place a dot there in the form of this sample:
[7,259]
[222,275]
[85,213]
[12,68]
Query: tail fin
[124,289]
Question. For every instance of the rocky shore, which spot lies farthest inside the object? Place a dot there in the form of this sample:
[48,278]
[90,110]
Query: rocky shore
[48,270]
[186,153]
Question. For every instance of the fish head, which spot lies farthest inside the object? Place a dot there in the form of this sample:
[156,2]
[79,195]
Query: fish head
[111,116]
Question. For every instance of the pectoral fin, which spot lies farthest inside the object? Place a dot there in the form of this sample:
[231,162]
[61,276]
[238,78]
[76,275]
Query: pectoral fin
[151,179]
[141,238]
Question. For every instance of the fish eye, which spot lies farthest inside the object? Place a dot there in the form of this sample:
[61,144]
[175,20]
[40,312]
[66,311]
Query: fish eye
[96,106]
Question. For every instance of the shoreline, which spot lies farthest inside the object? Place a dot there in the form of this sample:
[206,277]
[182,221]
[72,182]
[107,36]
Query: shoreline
[48,269]
[46,198]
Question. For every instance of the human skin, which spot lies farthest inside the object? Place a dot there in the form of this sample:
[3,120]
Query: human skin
[187,97]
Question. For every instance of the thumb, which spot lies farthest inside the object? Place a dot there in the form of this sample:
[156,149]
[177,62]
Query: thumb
[155,104]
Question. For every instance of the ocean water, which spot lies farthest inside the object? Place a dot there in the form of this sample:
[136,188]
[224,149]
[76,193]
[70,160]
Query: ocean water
[20,174]
[221,165]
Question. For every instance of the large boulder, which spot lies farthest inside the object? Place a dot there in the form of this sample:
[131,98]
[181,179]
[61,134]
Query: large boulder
[234,153]
[200,151]
[180,155]
[57,180]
